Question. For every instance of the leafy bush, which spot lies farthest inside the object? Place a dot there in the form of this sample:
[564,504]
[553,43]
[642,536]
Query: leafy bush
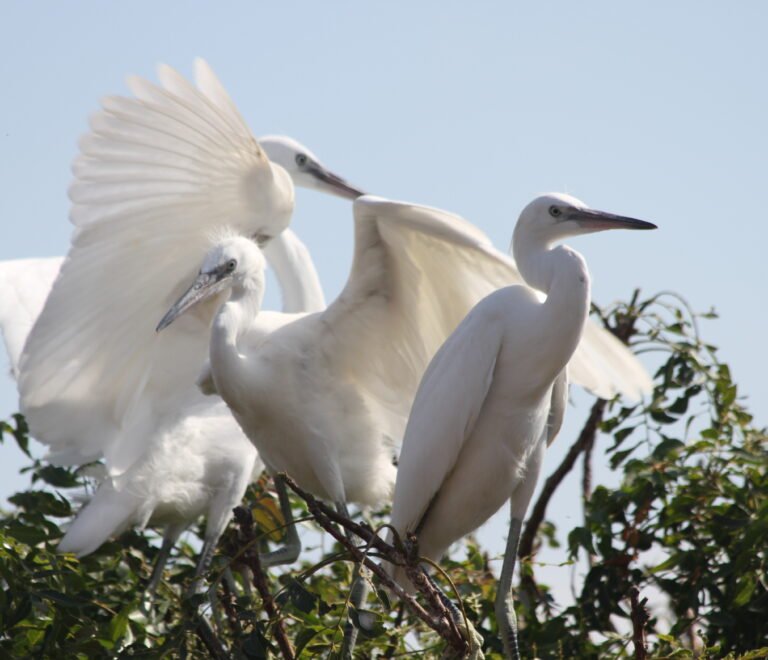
[688,522]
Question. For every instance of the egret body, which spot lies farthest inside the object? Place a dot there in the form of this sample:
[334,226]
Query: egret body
[495,393]
[156,175]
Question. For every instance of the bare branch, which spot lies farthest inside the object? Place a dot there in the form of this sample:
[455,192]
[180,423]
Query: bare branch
[640,617]
[440,621]
[204,631]
[244,520]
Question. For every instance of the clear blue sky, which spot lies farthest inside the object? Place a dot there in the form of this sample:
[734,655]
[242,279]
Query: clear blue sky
[657,110]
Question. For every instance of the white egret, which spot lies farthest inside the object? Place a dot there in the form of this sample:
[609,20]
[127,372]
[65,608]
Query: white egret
[199,461]
[326,396]
[495,393]
[156,176]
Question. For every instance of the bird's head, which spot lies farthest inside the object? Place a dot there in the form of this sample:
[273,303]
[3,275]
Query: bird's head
[557,216]
[304,167]
[234,261]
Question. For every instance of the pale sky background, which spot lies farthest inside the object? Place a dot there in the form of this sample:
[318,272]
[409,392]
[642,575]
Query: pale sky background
[656,110]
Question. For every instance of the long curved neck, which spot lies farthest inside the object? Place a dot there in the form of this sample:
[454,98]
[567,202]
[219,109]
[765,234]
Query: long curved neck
[561,273]
[233,320]
[296,273]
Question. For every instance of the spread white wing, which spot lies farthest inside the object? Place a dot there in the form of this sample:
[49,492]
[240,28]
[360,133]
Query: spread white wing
[417,272]
[156,176]
[24,286]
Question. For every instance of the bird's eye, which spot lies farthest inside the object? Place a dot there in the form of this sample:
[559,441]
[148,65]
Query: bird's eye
[231,265]
[301,160]
[555,211]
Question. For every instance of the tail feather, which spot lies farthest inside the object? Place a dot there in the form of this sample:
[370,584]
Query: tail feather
[108,514]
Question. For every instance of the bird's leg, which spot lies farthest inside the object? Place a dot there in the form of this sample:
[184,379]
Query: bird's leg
[291,549]
[505,605]
[359,592]
[160,562]
[247,582]
[206,556]
[475,639]
[170,537]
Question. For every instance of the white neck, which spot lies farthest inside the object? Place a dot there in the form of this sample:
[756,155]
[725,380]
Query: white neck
[296,274]
[233,319]
[562,274]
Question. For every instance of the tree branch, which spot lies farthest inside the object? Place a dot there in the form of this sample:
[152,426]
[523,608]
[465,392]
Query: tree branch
[640,617]
[244,520]
[440,620]
[204,631]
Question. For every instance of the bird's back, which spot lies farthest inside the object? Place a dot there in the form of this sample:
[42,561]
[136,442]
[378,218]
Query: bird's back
[307,419]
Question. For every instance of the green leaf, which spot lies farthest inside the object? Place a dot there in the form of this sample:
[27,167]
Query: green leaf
[746,588]
[58,476]
[580,536]
[370,624]
[667,447]
[303,638]
[118,626]
[25,533]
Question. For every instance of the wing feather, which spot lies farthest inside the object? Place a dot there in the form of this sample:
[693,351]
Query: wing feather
[157,175]
[445,411]
[24,286]
[416,273]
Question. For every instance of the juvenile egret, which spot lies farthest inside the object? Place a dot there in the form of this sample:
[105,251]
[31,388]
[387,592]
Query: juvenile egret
[199,462]
[495,393]
[325,397]
[156,176]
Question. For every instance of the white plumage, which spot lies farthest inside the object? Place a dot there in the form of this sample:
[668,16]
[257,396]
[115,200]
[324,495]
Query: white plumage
[495,393]
[24,286]
[326,397]
[198,461]
[157,176]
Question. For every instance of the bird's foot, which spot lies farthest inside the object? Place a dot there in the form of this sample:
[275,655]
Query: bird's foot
[475,642]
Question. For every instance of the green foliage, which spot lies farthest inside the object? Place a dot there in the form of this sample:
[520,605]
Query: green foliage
[689,520]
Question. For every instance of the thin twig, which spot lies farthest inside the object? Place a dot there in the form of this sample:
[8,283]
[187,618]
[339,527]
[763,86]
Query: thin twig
[204,631]
[328,518]
[244,520]
[228,602]
[640,617]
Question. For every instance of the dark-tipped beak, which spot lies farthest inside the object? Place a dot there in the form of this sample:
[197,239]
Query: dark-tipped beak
[598,220]
[333,183]
[204,286]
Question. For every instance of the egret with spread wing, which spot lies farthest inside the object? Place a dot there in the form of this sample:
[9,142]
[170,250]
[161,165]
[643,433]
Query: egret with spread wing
[197,463]
[157,174]
[325,397]
[495,393]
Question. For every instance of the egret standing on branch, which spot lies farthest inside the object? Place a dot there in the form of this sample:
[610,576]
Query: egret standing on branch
[325,397]
[495,393]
